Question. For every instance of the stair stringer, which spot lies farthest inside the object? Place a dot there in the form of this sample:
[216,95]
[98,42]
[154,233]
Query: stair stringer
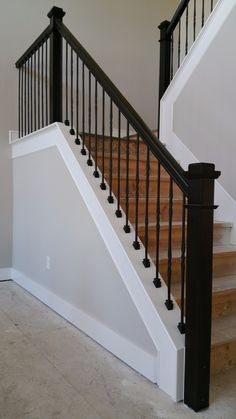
[161,325]
[227,205]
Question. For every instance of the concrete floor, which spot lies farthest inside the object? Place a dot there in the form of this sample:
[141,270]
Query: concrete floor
[50,370]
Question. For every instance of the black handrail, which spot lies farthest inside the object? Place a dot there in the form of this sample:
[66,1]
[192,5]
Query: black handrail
[175,19]
[156,147]
[34,46]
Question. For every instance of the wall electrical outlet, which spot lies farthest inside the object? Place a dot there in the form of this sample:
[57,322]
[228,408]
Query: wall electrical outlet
[48,262]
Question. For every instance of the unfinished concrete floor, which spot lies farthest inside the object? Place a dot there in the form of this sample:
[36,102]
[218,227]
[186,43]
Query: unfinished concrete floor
[50,370]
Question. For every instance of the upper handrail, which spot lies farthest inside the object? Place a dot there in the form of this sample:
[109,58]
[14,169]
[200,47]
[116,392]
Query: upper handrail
[34,46]
[176,18]
[156,147]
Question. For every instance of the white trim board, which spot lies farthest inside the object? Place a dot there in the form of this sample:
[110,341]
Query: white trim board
[227,205]
[116,344]
[5,274]
[160,323]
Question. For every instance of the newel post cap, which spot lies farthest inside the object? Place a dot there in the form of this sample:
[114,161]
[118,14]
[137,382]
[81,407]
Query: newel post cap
[56,13]
[202,171]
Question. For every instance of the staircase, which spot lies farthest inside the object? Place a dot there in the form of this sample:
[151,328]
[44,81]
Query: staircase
[224,258]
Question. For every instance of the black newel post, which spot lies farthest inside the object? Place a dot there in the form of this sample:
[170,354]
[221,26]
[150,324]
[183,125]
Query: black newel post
[199,284]
[164,65]
[55,14]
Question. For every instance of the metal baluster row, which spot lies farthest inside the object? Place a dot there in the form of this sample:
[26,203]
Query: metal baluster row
[33,92]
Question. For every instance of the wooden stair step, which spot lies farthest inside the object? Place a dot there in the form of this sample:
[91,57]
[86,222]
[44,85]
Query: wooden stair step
[223,353]
[164,187]
[224,262]
[221,234]
[223,298]
[164,208]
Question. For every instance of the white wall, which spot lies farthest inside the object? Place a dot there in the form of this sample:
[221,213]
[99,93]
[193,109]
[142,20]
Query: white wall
[204,111]
[121,35]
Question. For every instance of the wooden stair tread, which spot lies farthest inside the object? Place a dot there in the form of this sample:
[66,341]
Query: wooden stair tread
[224,249]
[165,224]
[223,329]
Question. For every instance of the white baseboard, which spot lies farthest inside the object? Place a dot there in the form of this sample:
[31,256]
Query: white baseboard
[134,356]
[5,273]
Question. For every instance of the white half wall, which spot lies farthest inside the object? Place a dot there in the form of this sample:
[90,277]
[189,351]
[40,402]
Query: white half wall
[197,110]
[71,252]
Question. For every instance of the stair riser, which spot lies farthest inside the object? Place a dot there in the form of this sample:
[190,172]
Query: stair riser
[142,188]
[164,208]
[224,303]
[220,266]
[132,166]
[115,145]
[223,356]
[220,236]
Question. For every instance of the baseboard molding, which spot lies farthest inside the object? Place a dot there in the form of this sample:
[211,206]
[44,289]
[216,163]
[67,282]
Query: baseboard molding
[135,357]
[5,273]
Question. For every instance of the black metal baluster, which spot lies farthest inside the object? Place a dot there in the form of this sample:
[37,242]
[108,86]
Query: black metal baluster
[186,40]
[22,100]
[203,12]
[96,173]
[136,243]
[181,325]
[172,57]
[194,20]
[179,43]
[39,126]
[157,280]
[19,102]
[25,111]
[118,211]
[146,260]
[31,93]
[211,5]
[42,89]
[110,197]
[169,302]
[67,120]
[46,81]
[126,226]
[103,185]
[28,97]
[83,150]
[72,131]
[35,96]
[77,140]
[89,161]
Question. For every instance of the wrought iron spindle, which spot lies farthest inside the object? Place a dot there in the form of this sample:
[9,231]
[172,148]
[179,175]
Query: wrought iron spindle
[38,93]
[67,110]
[110,197]
[42,95]
[172,57]
[118,211]
[89,161]
[157,280]
[83,150]
[146,260]
[211,5]
[103,185]
[77,140]
[96,173]
[25,111]
[181,325]
[203,12]
[136,243]
[19,103]
[72,131]
[126,226]
[35,95]
[46,80]
[179,43]
[28,96]
[186,39]
[169,302]
[22,100]
[194,20]
[31,94]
